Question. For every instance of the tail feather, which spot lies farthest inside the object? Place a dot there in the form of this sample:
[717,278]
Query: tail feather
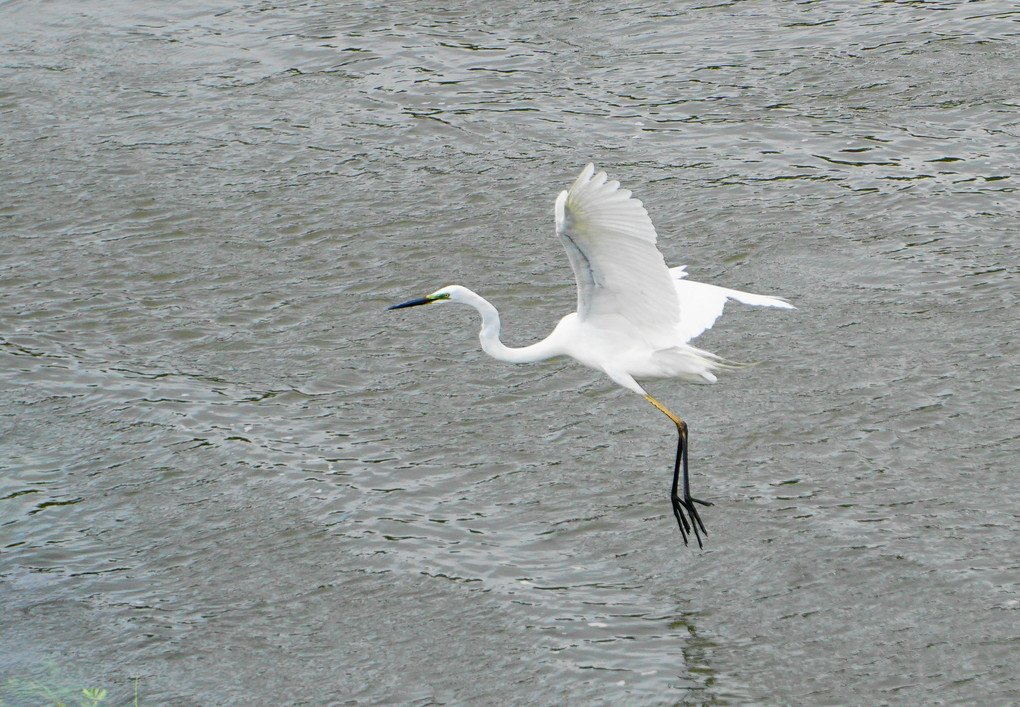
[687,362]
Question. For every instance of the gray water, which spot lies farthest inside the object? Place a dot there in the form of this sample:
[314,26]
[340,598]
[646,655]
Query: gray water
[229,476]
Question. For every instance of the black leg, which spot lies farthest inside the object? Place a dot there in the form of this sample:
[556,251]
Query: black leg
[688,501]
[673,497]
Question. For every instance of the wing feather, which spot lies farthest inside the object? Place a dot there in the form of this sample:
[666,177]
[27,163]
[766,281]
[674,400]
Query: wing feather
[610,242]
[701,304]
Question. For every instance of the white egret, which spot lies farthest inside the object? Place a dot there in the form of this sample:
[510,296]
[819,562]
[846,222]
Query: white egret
[634,315]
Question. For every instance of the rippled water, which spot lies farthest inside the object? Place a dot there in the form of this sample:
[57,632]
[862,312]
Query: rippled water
[229,476]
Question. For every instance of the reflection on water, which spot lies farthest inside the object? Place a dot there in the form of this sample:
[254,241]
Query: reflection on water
[230,476]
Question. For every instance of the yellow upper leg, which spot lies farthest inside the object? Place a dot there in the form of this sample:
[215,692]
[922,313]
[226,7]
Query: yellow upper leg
[676,420]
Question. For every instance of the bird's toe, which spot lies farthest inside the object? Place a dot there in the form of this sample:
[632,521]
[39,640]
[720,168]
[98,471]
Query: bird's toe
[684,508]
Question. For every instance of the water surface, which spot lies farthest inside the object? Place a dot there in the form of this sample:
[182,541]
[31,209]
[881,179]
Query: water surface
[229,476]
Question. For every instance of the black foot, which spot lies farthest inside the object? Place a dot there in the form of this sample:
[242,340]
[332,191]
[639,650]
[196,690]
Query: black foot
[687,504]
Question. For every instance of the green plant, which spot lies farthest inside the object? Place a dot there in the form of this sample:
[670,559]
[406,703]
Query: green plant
[52,694]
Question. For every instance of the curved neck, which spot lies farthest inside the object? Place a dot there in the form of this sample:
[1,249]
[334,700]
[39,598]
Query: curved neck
[489,335]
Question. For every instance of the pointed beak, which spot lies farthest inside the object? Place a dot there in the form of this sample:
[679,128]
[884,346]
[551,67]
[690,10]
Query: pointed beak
[412,303]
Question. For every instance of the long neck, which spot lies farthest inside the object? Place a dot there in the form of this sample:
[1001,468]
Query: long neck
[489,336]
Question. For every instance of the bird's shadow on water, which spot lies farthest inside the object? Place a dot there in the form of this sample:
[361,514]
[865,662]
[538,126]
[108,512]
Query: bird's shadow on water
[593,605]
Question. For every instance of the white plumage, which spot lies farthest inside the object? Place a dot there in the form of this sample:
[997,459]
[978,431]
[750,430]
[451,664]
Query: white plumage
[635,317]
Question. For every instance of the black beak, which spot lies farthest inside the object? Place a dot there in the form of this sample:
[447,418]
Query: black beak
[411,303]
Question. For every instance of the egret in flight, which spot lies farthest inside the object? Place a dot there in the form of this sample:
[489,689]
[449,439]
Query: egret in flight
[635,317]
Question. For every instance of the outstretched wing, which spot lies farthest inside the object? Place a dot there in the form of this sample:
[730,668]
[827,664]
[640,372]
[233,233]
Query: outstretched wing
[610,242]
[701,303]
